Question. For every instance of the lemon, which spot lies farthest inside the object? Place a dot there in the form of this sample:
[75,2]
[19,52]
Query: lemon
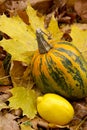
[55,109]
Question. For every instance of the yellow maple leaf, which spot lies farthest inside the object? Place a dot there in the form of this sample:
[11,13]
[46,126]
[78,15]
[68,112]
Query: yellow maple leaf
[24,98]
[24,127]
[23,40]
[79,37]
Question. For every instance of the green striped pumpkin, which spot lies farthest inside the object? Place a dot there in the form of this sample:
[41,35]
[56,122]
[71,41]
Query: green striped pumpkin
[59,69]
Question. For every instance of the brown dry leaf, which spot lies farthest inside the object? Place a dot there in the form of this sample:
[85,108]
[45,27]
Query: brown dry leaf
[80,110]
[37,121]
[66,37]
[4,67]
[71,2]
[5,88]
[65,13]
[60,3]
[5,95]
[23,15]
[80,118]
[81,9]
[82,26]
[41,5]
[2,1]
[17,71]
[3,78]
[7,122]
[3,106]
[12,6]
[47,6]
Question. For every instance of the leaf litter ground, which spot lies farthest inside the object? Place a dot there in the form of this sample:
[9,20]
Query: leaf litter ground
[16,41]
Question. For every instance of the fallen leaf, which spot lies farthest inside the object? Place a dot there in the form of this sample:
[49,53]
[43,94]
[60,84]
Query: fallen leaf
[23,39]
[39,122]
[23,15]
[82,26]
[81,9]
[66,37]
[7,122]
[23,44]
[79,39]
[17,71]
[71,2]
[17,112]
[4,67]
[26,127]
[21,36]
[2,1]
[13,6]
[5,88]
[25,99]
[3,106]
[5,95]
[54,30]
[4,80]
[80,110]
[21,74]
[42,5]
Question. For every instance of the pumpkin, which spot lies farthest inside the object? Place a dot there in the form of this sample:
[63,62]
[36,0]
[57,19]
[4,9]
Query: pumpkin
[59,68]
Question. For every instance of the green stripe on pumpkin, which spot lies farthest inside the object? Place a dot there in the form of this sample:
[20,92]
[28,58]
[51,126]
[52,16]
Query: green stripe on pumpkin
[73,70]
[58,76]
[77,59]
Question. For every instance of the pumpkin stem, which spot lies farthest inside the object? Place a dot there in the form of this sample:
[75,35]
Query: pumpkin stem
[43,45]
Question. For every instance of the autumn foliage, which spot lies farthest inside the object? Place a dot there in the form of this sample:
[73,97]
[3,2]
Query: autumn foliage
[64,20]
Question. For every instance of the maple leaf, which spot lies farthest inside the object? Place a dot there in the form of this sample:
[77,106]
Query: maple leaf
[79,36]
[25,99]
[23,39]
[26,127]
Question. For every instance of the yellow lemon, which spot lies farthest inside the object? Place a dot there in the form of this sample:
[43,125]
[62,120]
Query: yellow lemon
[55,109]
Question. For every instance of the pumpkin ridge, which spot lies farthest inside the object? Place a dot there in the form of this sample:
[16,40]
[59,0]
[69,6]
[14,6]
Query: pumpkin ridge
[72,70]
[80,64]
[77,59]
[45,74]
[75,74]
[57,74]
